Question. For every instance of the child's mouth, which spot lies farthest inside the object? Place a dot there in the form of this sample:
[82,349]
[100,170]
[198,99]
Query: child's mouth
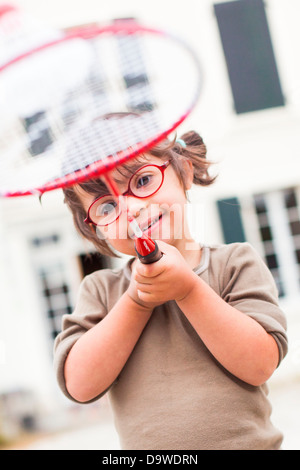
[151,224]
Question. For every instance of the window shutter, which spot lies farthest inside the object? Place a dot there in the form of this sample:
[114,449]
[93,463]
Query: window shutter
[230,216]
[249,55]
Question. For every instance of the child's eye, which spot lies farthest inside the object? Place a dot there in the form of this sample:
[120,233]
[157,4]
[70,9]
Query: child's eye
[105,208]
[143,180]
[146,181]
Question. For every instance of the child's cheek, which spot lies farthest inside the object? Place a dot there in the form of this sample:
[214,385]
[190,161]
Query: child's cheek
[116,231]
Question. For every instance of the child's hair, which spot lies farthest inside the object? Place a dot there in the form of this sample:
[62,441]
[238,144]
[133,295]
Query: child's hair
[194,151]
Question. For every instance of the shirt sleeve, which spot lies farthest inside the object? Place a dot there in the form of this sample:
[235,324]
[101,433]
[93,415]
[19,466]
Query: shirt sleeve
[89,310]
[248,285]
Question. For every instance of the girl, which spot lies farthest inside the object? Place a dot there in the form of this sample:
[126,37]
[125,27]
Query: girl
[184,346]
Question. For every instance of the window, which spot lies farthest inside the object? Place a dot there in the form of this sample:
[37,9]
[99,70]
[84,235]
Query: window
[292,209]
[38,131]
[53,279]
[249,55]
[271,223]
[266,236]
[56,295]
[281,219]
[43,241]
[134,72]
[58,275]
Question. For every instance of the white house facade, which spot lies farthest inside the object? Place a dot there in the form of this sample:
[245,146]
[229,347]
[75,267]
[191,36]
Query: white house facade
[252,134]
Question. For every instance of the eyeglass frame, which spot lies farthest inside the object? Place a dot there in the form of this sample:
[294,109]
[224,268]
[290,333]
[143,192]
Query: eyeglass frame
[129,192]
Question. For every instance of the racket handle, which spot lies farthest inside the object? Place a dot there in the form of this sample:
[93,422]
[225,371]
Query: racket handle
[147,250]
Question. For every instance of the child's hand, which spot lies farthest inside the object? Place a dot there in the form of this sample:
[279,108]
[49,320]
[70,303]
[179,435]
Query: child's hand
[133,292]
[170,278]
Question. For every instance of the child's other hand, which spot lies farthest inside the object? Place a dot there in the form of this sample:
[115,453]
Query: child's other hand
[170,278]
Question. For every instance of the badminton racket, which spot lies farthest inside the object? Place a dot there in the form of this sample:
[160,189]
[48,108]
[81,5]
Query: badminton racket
[76,107]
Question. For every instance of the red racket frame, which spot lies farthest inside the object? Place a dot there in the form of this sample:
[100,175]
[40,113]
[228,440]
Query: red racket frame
[101,167]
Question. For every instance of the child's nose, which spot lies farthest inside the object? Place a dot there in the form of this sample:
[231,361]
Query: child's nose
[135,205]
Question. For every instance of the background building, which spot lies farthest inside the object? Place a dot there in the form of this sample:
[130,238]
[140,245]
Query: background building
[249,117]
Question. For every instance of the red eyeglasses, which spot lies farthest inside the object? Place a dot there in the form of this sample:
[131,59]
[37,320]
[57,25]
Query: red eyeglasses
[145,182]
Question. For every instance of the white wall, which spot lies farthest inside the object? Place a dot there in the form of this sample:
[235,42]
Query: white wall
[254,152]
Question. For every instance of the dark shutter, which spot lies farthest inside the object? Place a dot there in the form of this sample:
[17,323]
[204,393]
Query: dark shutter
[230,216]
[249,55]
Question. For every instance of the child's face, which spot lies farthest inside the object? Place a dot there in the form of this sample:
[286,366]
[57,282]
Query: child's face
[161,216]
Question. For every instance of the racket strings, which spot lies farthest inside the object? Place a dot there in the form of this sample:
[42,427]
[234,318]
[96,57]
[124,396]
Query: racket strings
[84,103]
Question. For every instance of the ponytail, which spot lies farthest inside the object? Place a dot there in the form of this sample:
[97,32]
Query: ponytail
[194,150]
